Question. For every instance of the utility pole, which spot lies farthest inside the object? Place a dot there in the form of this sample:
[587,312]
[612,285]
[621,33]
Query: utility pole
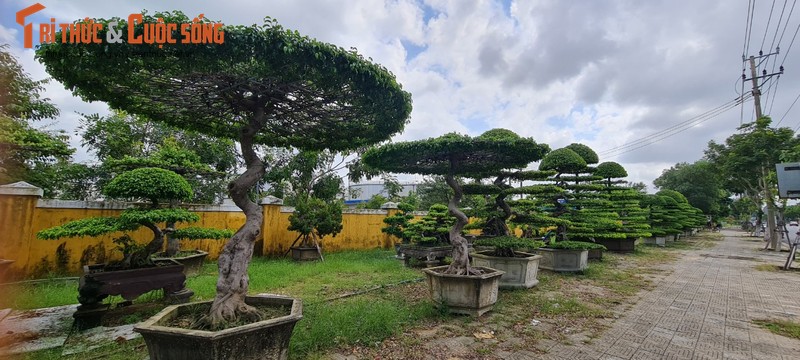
[774,241]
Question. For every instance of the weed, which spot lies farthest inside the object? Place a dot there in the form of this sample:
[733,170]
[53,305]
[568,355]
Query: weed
[780,327]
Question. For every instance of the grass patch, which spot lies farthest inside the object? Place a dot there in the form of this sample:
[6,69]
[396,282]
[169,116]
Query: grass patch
[768,267]
[780,327]
[42,294]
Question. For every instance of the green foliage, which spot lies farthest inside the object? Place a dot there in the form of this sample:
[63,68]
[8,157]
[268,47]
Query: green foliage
[218,89]
[610,170]
[397,224]
[85,227]
[563,161]
[152,184]
[316,217]
[153,216]
[504,246]
[456,154]
[575,245]
[433,228]
[699,182]
[197,233]
[586,153]
[26,149]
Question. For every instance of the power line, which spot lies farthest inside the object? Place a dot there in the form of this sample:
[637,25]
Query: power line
[789,109]
[673,130]
[790,44]
[774,94]
[766,30]
[748,25]
[777,28]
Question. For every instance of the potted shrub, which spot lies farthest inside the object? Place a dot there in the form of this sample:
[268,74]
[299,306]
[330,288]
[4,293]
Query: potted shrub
[264,85]
[134,274]
[566,256]
[397,224]
[459,287]
[429,238]
[510,255]
[313,218]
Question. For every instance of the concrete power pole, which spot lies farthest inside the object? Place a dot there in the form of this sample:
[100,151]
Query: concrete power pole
[768,197]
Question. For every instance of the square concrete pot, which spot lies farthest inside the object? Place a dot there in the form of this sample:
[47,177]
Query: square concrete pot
[305,254]
[618,245]
[267,339]
[520,271]
[659,240]
[563,260]
[464,294]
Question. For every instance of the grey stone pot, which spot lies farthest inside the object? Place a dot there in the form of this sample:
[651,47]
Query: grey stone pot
[267,339]
[659,240]
[563,260]
[464,294]
[520,272]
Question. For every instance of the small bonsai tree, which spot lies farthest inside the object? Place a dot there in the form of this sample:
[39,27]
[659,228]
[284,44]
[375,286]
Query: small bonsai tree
[454,155]
[432,229]
[398,224]
[315,218]
[159,189]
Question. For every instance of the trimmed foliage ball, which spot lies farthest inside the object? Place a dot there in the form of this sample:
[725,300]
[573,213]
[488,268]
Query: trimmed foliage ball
[151,184]
[563,161]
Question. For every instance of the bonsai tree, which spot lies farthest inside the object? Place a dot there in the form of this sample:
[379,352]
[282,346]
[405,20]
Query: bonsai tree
[398,224]
[625,200]
[157,188]
[452,155]
[433,228]
[264,85]
[315,218]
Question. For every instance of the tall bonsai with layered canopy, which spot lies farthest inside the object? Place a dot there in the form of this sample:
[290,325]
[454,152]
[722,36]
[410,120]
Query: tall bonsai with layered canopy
[263,85]
[455,155]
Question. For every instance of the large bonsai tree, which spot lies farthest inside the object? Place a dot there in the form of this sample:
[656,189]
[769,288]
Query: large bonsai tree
[159,189]
[452,155]
[263,85]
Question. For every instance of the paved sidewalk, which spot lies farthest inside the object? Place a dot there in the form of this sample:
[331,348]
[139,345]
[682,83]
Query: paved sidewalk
[703,310]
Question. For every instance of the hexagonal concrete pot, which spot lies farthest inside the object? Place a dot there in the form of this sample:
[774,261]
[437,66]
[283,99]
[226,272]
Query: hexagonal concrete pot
[267,339]
[563,260]
[520,271]
[464,294]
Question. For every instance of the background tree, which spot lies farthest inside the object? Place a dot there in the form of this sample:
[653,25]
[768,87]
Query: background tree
[26,151]
[746,161]
[451,155]
[264,85]
[700,183]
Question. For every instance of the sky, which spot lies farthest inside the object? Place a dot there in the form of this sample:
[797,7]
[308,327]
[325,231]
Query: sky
[614,75]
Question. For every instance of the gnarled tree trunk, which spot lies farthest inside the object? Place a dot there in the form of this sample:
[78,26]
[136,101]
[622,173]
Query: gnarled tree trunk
[460,264]
[233,282]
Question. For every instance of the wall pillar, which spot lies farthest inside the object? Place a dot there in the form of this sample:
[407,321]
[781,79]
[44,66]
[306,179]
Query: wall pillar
[272,243]
[389,241]
[17,206]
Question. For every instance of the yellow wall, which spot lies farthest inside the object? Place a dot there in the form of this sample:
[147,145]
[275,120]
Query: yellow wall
[22,216]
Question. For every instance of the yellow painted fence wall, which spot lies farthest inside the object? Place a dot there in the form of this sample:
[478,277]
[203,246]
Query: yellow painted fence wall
[22,215]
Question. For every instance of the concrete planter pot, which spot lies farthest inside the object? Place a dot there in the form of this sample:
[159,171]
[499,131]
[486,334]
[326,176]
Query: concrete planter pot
[430,255]
[267,339]
[618,245]
[192,264]
[520,272]
[305,253]
[464,294]
[659,240]
[563,260]
[595,254]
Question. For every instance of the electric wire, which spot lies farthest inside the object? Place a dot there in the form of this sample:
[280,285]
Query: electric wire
[766,30]
[747,28]
[785,54]
[774,95]
[675,129]
[789,109]
[672,134]
[777,28]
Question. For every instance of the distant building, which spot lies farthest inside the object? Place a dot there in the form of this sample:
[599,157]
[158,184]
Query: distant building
[361,193]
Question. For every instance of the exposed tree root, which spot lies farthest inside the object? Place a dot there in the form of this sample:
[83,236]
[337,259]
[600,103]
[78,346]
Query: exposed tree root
[231,308]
